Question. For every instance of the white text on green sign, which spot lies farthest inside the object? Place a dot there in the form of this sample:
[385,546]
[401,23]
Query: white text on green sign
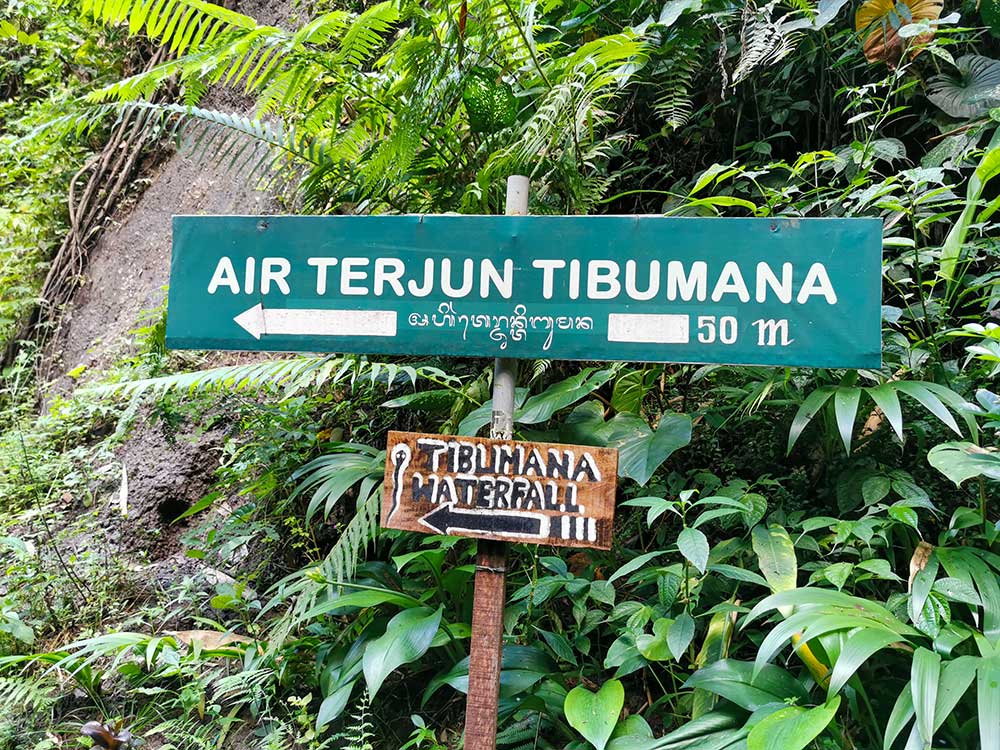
[748,291]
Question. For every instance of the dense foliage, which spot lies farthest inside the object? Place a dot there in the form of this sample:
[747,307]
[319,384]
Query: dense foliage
[803,558]
[49,55]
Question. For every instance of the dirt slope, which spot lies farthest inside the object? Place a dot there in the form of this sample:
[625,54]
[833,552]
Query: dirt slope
[126,279]
[129,267]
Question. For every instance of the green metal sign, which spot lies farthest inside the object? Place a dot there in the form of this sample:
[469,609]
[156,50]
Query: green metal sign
[635,288]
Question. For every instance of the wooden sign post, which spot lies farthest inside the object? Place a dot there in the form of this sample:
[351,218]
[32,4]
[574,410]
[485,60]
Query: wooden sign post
[498,490]
[486,652]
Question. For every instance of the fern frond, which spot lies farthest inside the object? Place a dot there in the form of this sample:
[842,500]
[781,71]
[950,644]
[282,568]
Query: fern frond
[306,588]
[330,476]
[187,732]
[763,41]
[250,145]
[243,686]
[359,733]
[571,108]
[505,32]
[527,733]
[674,80]
[287,67]
[26,694]
[343,559]
[363,37]
[291,375]
[181,25]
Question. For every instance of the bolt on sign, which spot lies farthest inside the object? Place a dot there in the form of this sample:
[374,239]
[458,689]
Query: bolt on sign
[503,490]
[633,288]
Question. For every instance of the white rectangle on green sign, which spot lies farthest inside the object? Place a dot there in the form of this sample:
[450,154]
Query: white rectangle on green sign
[642,328]
[640,288]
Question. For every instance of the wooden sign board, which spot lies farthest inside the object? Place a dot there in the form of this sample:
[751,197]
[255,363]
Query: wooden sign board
[505,490]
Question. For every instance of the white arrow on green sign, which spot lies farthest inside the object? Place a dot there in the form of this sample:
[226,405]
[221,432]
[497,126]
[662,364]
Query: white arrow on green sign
[637,288]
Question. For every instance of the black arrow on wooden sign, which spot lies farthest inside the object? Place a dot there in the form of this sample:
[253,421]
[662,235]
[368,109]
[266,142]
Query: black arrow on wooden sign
[447,520]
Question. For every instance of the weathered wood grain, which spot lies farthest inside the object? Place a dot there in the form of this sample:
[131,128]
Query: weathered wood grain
[485,650]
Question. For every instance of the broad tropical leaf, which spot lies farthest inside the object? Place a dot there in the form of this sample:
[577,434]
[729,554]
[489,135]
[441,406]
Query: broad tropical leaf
[970,92]
[792,728]
[963,460]
[594,715]
[880,21]
[407,638]
[642,450]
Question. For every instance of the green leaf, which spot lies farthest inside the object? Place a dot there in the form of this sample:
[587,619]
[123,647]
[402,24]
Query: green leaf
[12,624]
[655,647]
[594,715]
[813,622]
[969,93]
[406,639]
[603,592]
[559,645]
[680,635]
[925,674]
[709,176]
[900,716]
[739,574]
[859,645]
[641,451]
[437,401]
[807,596]
[934,615]
[199,506]
[693,544]
[539,408]
[957,590]
[520,668]
[845,407]
[922,584]
[585,425]
[956,677]
[962,460]
[792,728]
[15,544]
[888,401]
[634,564]
[631,389]
[838,573]
[775,556]
[988,702]
[735,681]
[673,9]
[809,409]
[988,585]
[875,489]
[333,705]
[954,244]
[879,568]
[905,514]
[922,393]
[479,417]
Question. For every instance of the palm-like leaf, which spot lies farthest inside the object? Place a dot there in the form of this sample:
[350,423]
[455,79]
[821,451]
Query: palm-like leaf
[329,477]
[935,398]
